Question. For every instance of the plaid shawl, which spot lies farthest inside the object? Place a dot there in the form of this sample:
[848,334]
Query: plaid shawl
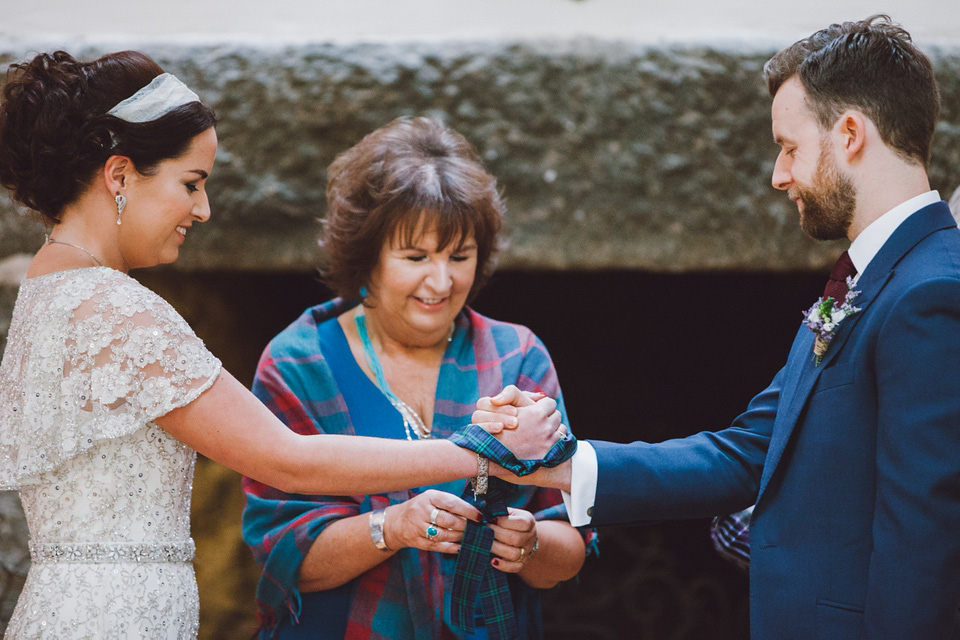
[404,596]
[731,537]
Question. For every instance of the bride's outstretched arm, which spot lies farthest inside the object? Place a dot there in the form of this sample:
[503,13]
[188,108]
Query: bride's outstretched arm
[227,423]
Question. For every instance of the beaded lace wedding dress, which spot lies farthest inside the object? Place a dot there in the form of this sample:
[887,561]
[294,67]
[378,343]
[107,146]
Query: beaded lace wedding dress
[92,359]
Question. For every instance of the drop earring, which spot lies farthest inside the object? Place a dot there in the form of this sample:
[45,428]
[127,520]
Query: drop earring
[121,203]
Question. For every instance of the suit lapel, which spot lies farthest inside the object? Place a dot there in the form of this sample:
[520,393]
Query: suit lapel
[802,373]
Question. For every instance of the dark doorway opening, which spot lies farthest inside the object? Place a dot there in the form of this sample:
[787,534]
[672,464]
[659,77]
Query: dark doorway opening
[640,356]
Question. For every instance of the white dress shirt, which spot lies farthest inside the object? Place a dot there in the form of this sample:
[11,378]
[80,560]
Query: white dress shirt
[583,472]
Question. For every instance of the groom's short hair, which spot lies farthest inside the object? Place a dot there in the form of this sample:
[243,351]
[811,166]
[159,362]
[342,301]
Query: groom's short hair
[872,66]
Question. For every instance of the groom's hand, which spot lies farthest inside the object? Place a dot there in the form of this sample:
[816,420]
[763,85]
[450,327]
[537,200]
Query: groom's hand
[526,423]
[500,412]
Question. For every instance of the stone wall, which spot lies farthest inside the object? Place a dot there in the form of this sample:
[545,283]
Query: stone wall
[609,155]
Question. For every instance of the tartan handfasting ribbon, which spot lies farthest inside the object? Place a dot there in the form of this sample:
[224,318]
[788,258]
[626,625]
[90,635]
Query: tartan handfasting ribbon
[475,438]
[474,577]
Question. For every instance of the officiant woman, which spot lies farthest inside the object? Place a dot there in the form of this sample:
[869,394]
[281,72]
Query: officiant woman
[410,232]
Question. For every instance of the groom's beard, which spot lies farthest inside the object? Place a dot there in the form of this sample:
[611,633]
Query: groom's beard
[829,203]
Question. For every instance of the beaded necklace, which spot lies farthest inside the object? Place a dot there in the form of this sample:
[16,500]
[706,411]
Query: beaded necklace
[412,422]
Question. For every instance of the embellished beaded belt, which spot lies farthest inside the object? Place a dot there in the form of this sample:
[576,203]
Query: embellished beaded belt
[112,552]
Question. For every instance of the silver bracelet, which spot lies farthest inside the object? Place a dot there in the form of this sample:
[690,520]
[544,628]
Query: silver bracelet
[480,482]
[376,529]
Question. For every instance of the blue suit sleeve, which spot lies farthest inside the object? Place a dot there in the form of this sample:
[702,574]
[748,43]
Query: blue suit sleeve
[703,475]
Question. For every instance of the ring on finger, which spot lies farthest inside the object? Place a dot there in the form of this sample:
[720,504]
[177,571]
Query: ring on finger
[432,532]
[433,516]
[522,551]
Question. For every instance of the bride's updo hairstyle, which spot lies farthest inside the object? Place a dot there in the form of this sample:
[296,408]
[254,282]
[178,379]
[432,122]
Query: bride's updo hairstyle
[55,133]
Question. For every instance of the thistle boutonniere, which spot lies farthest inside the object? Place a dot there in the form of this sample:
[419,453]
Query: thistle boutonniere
[825,316]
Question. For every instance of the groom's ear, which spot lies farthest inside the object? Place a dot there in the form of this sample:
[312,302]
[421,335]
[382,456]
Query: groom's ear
[851,133]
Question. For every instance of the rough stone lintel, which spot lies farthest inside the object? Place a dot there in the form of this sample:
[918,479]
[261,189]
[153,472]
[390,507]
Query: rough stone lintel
[610,155]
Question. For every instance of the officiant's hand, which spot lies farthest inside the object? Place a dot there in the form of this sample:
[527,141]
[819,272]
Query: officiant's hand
[525,422]
[514,540]
[431,521]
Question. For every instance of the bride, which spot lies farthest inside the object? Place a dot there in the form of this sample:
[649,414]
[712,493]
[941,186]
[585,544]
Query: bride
[105,391]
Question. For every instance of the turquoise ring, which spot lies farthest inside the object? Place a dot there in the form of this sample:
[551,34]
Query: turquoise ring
[432,532]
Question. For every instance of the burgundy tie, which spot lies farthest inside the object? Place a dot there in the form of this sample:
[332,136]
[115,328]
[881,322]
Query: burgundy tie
[837,284]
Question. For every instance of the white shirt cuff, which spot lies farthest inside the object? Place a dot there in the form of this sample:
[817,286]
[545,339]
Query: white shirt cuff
[583,485]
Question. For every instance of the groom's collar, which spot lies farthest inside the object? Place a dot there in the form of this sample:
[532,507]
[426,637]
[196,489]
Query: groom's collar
[866,245]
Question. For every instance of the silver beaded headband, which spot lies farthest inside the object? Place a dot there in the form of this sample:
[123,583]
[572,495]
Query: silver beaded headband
[164,94]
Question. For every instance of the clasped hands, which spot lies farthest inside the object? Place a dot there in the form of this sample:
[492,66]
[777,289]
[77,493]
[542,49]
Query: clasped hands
[529,425]
[526,422]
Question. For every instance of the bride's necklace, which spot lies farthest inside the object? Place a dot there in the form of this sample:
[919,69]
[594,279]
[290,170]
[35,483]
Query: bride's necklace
[75,246]
[412,422]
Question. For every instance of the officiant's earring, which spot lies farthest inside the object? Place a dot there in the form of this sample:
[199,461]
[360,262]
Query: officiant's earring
[121,203]
[364,293]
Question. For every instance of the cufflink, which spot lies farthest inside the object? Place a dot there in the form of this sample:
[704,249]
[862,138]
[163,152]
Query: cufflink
[590,511]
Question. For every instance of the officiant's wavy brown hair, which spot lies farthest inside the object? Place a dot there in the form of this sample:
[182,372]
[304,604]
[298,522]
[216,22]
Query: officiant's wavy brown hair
[411,170]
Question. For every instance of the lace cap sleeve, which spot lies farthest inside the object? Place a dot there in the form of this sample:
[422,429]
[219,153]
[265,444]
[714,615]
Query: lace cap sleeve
[109,357]
[129,353]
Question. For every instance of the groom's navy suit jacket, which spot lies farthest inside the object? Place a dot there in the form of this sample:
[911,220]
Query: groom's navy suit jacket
[854,464]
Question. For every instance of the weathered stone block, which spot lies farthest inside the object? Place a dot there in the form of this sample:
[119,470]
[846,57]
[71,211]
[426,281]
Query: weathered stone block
[610,155]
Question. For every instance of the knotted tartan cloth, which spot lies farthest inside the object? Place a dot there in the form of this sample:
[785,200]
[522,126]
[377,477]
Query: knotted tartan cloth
[475,578]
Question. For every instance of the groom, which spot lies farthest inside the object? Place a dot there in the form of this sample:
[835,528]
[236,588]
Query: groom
[852,454]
